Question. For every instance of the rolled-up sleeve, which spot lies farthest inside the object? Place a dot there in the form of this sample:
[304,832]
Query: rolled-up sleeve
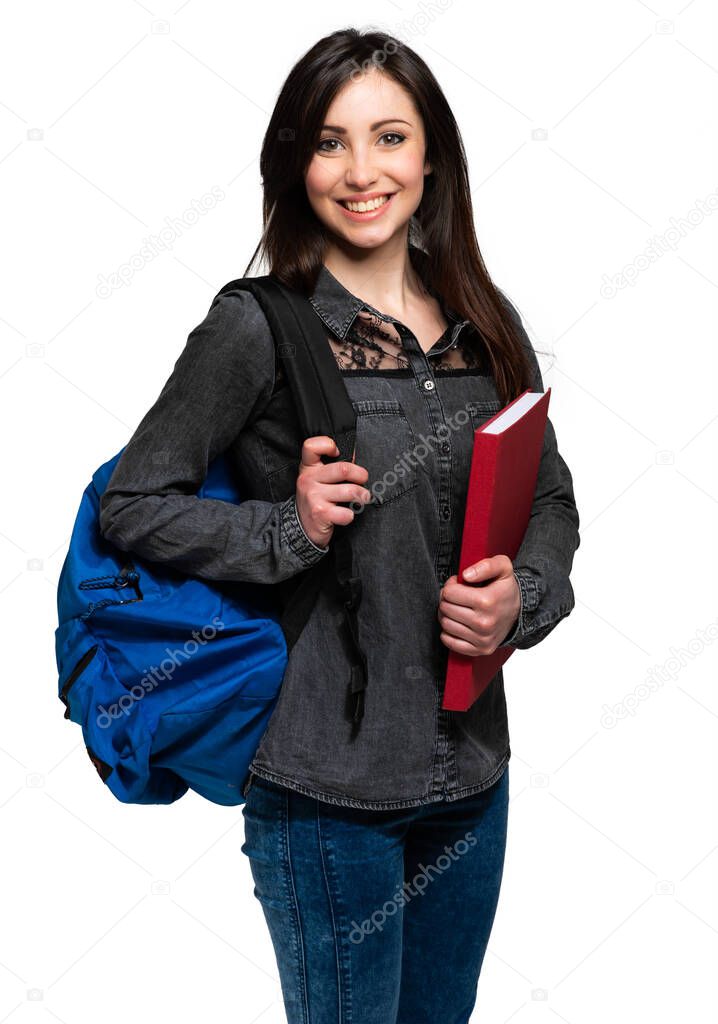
[543,563]
[222,380]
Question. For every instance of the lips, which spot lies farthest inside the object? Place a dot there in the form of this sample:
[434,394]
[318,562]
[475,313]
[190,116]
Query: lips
[385,196]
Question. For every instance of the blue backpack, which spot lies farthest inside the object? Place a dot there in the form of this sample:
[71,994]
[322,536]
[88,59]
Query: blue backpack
[173,678]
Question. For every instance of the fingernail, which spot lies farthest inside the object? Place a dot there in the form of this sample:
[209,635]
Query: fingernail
[469,573]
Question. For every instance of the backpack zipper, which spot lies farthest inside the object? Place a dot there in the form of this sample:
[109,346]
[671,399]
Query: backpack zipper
[76,672]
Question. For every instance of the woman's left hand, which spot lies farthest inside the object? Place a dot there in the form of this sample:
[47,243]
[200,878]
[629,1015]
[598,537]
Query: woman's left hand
[476,619]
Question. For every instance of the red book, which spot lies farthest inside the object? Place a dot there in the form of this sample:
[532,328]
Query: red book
[502,484]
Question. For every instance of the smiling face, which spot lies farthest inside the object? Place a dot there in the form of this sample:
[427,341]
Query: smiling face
[371,153]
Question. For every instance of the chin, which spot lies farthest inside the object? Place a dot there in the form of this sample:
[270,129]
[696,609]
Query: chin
[367,243]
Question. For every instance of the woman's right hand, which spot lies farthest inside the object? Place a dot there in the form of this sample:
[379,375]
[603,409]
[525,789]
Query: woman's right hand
[321,484]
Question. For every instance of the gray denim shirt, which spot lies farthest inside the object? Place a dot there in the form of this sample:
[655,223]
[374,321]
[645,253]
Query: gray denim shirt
[415,429]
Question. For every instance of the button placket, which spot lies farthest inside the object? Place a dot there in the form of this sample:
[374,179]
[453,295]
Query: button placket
[421,364]
[443,494]
[444,758]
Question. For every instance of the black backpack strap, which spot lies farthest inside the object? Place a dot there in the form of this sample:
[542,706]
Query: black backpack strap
[323,407]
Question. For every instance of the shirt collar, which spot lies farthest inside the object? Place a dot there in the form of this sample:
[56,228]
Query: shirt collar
[338,307]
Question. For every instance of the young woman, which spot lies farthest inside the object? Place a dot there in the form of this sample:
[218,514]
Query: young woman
[376,840]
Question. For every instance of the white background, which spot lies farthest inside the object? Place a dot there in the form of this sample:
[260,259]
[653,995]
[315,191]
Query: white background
[591,135]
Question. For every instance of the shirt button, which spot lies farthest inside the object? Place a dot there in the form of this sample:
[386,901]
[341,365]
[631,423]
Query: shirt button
[428,385]
[443,576]
[446,447]
[445,512]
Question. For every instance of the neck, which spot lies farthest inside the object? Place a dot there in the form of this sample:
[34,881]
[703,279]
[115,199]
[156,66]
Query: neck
[383,276]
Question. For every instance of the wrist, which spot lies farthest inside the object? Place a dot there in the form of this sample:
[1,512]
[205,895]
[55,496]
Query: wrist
[319,547]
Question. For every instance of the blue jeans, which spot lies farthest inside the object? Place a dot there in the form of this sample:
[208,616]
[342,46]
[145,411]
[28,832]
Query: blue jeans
[377,917]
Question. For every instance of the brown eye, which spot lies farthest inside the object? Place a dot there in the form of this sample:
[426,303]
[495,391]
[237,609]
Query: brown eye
[396,135]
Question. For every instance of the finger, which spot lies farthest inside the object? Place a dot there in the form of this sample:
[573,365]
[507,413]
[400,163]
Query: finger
[457,593]
[472,631]
[482,642]
[341,472]
[337,515]
[448,612]
[314,447]
[344,492]
[487,568]
[480,598]
[460,646]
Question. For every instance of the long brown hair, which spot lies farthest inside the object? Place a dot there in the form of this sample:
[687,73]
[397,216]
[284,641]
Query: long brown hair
[442,227]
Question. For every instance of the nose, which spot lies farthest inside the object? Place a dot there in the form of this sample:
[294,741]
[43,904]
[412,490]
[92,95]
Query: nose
[361,172]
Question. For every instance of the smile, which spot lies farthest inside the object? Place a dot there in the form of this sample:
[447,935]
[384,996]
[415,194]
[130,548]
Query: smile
[366,210]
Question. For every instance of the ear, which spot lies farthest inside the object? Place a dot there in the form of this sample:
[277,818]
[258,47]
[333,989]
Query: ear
[428,169]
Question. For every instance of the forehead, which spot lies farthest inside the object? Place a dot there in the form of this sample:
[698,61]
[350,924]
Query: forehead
[370,97]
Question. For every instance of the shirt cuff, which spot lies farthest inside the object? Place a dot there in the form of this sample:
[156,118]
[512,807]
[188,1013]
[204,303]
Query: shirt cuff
[293,533]
[529,600]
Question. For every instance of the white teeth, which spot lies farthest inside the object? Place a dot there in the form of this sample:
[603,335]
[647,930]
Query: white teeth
[371,204]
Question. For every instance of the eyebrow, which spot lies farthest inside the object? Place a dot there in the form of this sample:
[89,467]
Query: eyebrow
[372,127]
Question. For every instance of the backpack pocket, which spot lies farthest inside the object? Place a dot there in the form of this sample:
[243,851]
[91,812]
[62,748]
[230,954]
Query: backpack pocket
[115,732]
[72,678]
[211,749]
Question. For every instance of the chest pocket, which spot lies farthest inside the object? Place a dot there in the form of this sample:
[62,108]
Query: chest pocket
[480,412]
[386,447]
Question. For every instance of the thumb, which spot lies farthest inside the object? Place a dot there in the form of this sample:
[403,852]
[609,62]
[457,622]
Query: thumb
[316,446]
[478,571]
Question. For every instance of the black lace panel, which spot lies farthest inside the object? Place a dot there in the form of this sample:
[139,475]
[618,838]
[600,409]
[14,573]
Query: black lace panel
[375,344]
